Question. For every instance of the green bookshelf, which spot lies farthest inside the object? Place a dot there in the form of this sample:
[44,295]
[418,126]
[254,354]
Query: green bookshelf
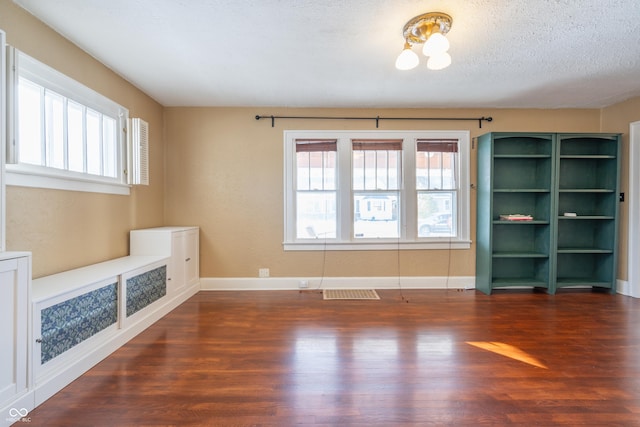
[587,186]
[544,176]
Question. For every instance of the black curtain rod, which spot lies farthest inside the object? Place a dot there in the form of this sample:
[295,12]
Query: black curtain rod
[377,118]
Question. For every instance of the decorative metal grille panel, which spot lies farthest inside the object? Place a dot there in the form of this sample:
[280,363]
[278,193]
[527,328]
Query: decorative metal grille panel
[70,322]
[145,288]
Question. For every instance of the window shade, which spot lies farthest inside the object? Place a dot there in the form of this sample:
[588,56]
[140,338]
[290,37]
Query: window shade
[314,145]
[438,145]
[377,144]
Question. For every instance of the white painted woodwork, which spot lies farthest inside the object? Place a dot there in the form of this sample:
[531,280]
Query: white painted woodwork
[179,243]
[15,278]
[49,290]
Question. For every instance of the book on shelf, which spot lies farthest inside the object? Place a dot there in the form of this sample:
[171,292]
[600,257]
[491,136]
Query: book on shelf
[516,217]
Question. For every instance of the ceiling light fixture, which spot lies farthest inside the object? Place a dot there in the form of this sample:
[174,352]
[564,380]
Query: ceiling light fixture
[428,29]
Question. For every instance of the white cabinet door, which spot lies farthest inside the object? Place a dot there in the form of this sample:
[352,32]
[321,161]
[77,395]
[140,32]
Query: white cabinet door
[192,257]
[14,291]
[178,255]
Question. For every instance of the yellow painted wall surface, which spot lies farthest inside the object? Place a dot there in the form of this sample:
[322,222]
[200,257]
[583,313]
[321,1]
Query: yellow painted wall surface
[617,118]
[225,174]
[220,169]
[67,229]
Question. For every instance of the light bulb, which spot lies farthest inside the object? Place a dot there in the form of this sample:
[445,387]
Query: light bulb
[407,58]
[439,61]
[435,44]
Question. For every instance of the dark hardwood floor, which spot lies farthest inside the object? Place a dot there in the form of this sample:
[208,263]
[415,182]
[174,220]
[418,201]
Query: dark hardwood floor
[437,358]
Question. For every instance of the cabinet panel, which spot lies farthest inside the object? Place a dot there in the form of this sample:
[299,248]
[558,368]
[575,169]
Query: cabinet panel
[14,294]
[192,257]
[70,322]
[178,255]
[13,333]
[67,322]
[144,288]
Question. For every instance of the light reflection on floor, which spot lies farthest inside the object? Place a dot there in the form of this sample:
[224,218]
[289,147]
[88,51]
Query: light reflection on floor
[361,368]
[509,351]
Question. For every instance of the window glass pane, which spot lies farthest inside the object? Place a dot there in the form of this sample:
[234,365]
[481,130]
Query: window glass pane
[75,136]
[394,169]
[376,169]
[54,131]
[30,123]
[109,144]
[436,170]
[329,175]
[316,170]
[316,215]
[369,170]
[436,214]
[376,215]
[94,150]
[358,170]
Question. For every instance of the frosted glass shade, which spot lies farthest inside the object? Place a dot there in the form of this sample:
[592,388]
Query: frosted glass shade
[407,59]
[439,61]
[435,44]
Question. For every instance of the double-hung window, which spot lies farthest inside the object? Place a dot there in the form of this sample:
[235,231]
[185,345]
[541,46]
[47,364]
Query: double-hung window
[376,178]
[315,188]
[376,190]
[63,134]
[436,186]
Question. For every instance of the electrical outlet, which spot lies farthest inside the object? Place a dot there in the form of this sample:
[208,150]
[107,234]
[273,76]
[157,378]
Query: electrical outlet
[303,284]
[263,272]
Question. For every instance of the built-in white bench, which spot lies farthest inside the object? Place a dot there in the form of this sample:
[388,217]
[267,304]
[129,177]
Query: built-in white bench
[81,316]
[56,327]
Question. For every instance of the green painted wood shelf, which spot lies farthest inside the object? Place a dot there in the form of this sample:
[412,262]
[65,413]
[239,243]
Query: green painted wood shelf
[546,175]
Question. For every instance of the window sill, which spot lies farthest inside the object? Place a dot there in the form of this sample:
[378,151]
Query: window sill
[16,176]
[319,245]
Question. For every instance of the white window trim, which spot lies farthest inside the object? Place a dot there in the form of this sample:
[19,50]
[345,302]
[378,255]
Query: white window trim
[35,176]
[3,146]
[344,205]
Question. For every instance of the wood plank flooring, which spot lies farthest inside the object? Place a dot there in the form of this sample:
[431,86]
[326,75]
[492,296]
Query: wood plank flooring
[416,358]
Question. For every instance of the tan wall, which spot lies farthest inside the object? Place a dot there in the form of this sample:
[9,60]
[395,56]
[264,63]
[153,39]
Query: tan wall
[617,118]
[67,229]
[225,174]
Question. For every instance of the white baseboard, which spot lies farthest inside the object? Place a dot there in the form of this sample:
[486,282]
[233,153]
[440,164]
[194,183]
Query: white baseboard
[623,287]
[18,410]
[53,382]
[290,283]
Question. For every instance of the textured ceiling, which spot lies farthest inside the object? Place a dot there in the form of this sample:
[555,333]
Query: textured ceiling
[341,53]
